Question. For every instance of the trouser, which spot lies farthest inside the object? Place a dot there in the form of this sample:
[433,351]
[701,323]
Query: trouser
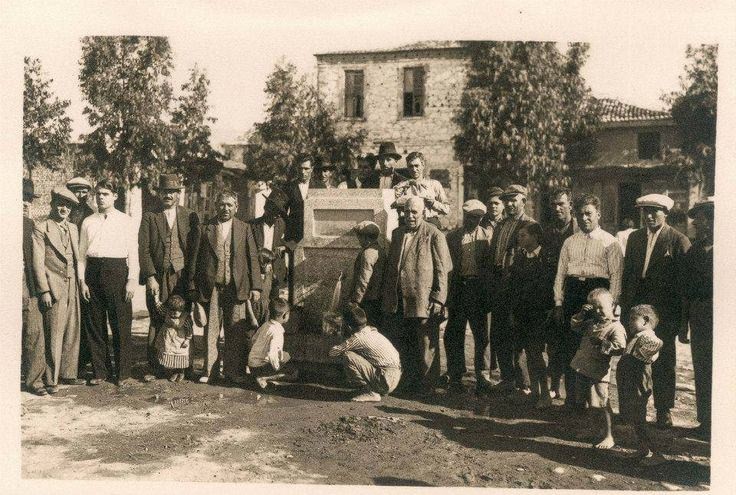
[575,295]
[169,284]
[106,279]
[34,346]
[362,374]
[467,309]
[530,367]
[664,374]
[701,345]
[502,340]
[61,333]
[226,312]
[85,323]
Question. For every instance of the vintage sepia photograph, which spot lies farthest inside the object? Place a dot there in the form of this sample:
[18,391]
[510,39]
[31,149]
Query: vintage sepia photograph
[354,254]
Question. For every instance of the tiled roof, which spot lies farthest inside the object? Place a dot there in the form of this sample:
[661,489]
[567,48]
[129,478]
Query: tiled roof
[420,45]
[613,110]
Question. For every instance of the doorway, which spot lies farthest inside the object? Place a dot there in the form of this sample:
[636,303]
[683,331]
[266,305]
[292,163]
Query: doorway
[628,192]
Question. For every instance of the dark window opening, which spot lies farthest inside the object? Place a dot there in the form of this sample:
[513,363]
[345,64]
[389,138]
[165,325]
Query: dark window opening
[648,145]
[414,92]
[354,93]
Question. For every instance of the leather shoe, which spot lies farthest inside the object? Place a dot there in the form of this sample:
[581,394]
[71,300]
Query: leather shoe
[40,391]
[72,381]
[52,389]
[95,381]
[664,418]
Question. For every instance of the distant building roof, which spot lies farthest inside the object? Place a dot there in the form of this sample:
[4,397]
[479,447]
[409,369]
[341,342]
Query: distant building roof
[418,46]
[613,110]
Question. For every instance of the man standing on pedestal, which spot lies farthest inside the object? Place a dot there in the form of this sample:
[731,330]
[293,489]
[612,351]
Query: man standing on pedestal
[167,245]
[227,275]
[297,192]
[653,267]
[414,292]
[387,158]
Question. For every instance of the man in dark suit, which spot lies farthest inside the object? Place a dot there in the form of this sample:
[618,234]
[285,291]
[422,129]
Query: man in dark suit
[227,275]
[414,294]
[467,297]
[33,361]
[167,243]
[652,275]
[268,232]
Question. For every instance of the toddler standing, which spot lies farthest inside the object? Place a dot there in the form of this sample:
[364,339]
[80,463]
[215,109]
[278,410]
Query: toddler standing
[172,340]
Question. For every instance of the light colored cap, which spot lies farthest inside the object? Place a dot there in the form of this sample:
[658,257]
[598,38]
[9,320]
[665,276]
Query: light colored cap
[656,201]
[474,207]
[366,227]
[78,182]
[64,193]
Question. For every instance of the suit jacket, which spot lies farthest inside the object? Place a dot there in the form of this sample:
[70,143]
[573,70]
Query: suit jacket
[49,262]
[245,269]
[368,274]
[529,286]
[151,238]
[482,261]
[79,213]
[279,228]
[29,287]
[295,210]
[422,271]
[511,246]
[662,287]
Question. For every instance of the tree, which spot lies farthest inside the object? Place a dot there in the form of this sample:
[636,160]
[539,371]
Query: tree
[193,155]
[126,82]
[524,109]
[694,110]
[46,126]
[297,121]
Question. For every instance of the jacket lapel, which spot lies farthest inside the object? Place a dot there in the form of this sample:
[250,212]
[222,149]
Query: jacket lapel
[660,247]
[238,235]
[212,236]
[161,225]
[258,232]
[182,220]
[74,235]
[54,237]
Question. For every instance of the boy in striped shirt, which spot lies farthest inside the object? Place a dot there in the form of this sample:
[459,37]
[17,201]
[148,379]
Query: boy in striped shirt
[371,362]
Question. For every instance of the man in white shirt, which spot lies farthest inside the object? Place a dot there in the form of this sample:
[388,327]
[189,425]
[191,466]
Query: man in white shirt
[108,275]
[589,259]
[430,190]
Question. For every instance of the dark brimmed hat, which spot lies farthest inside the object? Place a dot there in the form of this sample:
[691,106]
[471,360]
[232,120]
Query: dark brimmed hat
[168,182]
[78,183]
[323,163]
[388,149]
[62,192]
[707,204]
[494,192]
[513,190]
[28,190]
[371,159]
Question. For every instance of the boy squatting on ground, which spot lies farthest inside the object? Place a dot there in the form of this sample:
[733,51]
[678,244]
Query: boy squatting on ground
[603,336]
[634,378]
[173,338]
[267,357]
[371,362]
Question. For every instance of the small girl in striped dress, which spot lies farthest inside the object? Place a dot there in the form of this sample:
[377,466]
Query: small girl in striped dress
[172,339]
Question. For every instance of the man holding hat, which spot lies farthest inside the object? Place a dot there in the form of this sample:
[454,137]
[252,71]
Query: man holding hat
[698,289]
[503,249]
[653,267]
[368,271]
[494,207]
[167,247]
[34,345]
[55,256]
[467,296]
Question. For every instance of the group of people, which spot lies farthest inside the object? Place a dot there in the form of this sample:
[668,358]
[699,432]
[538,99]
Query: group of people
[548,304]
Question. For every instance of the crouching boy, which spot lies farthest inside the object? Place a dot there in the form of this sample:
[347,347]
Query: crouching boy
[371,362]
[267,359]
[602,336]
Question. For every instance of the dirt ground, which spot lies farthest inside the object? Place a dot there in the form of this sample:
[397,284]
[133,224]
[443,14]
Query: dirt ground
[310,433]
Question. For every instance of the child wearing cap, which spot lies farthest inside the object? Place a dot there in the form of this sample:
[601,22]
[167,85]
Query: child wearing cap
[634,377]
[371,362]
[602,336]
[368,271]
[267,358]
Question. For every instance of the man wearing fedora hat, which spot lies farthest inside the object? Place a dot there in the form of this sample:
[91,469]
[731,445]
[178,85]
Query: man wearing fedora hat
[698,311]
[387,158]
[33,362]
[167,245]
[653,267]
[326,175]
[268,232]
[55,256]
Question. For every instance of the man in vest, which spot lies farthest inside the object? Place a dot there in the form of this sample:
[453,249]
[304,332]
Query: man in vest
[167,245]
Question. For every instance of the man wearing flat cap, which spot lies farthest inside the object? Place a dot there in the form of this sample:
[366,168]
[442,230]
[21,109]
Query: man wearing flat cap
[55,256]
[494,209]
[698,309]
[503,250]
[368,271]
[167,246]
[653,267]
[467,297]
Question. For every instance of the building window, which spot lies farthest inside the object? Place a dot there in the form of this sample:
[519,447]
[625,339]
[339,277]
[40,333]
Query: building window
[648,145]
[414,92]
[354,93]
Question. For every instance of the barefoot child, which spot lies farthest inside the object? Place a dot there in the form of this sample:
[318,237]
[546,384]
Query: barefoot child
[267,357]
[634,377]
[172,340]
[602,337]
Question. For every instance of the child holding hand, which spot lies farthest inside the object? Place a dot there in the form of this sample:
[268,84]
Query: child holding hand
[603,336]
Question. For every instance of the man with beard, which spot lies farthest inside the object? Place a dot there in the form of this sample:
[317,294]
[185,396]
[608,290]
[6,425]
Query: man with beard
[55,255]
[653,267]
[589,259]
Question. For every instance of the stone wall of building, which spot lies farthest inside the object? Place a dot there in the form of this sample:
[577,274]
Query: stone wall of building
[445,76]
